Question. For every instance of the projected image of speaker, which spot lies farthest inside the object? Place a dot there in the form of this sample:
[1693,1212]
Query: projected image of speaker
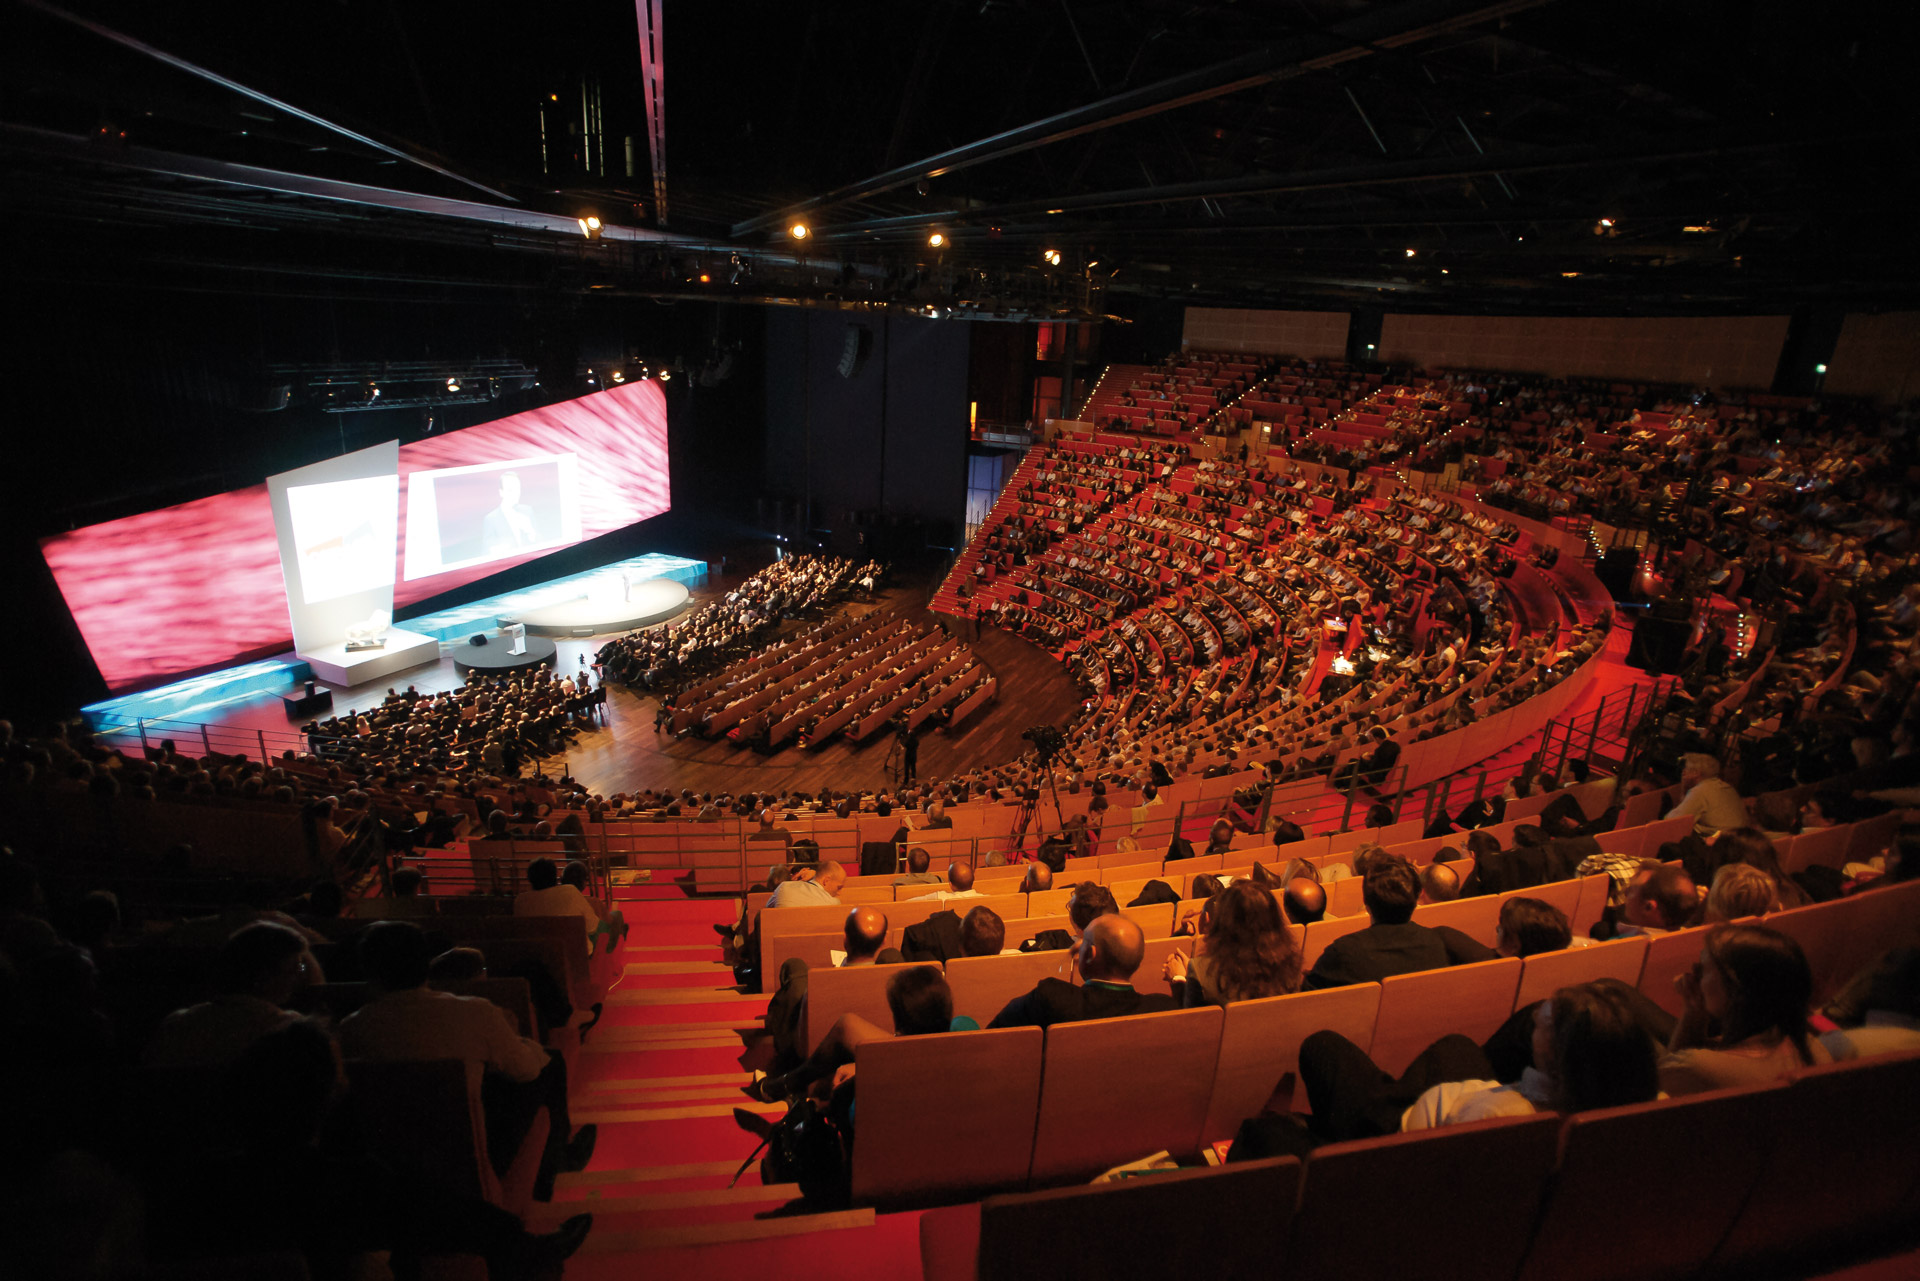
[859,345]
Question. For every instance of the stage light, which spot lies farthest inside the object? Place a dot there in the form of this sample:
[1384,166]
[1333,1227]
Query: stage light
[666,375]
[373,391]
[798,231]
[1569,275]
[1819,369]
[589,226]
[619,377]
[1410,253]
[705,278]
[453,384]
[1052,257]
[936,240]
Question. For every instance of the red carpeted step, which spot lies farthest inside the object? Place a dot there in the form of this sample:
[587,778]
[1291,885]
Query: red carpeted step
[665,1060]
[887,1249]
[677,1141]
[711,975]
[706,909]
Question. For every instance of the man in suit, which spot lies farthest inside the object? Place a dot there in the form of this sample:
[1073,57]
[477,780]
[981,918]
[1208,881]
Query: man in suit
[508,528]
[1109,952]
[1393,944]
[945,935]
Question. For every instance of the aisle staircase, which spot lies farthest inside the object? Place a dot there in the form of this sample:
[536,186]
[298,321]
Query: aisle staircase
[661,1075]
[946,599]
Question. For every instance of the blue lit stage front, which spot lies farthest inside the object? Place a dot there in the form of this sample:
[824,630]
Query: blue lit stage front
[618,597]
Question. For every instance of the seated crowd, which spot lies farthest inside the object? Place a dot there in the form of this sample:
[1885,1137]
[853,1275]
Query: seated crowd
[1290,614]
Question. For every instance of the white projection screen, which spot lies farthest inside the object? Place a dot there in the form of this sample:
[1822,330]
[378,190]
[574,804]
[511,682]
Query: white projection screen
[338,527]
[460,517]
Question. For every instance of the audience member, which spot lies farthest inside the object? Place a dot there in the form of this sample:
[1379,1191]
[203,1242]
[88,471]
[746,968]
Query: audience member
[1109,951]
[261,969]
[1393,943]
[1245,953]
[1754,985]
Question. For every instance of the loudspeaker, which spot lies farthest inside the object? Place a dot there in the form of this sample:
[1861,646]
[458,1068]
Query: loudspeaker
[478,638]
[859,345]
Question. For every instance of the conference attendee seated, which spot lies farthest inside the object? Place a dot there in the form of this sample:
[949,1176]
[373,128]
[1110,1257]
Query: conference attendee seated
[261,969]
[1754,985]
[407,1021]
[945,935]
[769,832]
[810,887]
[1712,802]
[1589,1051]
[1535,859]
[1244,951]
[1739,890]
[919,869]
[1372,769]
[1439,884]
[959,883]
[1087,901]
[613,926]
[919,1001]
[1108,954]
[1530,926]
[1392,944]
[547,895]
[1306,901]
[865,938]
[407,881]
[294,1181]
[1659,899]
[1889,1018]
[1038,880]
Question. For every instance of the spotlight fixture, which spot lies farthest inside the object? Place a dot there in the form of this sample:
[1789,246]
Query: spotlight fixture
[590,226]
[1820,369]
[936,240]
[1606,224]
[799,231]
[453,384]
[619,377]
[1410,253]
[666,375]
[373,391]
[1052,256]
[705,279]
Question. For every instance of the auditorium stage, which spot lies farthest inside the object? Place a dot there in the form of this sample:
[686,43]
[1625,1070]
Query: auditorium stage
[496,657]
[609,607]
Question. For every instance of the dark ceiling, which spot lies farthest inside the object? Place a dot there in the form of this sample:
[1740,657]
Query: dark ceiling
[1469,155]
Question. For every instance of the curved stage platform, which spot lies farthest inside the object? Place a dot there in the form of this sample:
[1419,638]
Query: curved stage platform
[607,607]
[493,659]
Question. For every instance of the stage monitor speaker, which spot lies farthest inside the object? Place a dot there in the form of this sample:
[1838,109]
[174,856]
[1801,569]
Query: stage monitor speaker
[859,345]
[478,638]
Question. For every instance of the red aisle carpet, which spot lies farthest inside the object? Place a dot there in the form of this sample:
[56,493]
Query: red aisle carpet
[660,1076]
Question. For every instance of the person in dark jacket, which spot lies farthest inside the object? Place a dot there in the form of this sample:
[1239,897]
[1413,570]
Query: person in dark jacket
[945,935]
[1109,952]
[1393,944]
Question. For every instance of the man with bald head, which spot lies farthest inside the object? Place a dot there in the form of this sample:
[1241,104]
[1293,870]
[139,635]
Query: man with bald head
[959,882]
[1108,953]
[1039,879]
[1439,884]
[810,887]
[1306,900]
[866,934]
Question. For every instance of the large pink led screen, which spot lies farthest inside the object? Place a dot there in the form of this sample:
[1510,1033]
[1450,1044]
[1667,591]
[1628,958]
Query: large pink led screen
[199,584]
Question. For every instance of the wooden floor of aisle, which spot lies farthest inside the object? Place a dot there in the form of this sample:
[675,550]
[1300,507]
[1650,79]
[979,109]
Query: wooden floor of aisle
[660,1076]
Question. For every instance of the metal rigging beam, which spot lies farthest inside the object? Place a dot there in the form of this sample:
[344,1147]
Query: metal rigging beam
[1533,160]
[1387,28]
[653,88]
[214,77]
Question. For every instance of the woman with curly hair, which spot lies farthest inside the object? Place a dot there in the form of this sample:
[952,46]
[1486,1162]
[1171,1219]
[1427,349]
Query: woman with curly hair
[1245,951]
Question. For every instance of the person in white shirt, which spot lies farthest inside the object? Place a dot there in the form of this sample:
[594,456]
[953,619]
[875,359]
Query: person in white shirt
[261,968]
[409,1022]
[1713,803]
[810,888]
[547,895]
[959,883]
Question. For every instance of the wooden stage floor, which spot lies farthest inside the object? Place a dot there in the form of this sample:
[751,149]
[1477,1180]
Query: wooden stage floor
[628,754]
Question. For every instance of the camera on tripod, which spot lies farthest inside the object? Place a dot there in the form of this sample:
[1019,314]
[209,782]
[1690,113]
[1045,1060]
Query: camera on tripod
[1048,742]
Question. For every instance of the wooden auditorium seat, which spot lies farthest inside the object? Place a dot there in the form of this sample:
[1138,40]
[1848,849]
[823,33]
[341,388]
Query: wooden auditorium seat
[425,1118]
[1230,1223]
[1418,1009]
[982,985]
[1094,1116]
[854,989]
[1657,1184]
[1544,973]
[1260,1048]
[1453,1203]
[946,1116]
